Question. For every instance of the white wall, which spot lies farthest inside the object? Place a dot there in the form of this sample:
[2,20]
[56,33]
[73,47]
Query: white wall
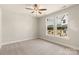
[0,27]
[17,26]
[73,28]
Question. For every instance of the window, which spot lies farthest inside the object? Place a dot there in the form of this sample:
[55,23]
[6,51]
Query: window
[58,25]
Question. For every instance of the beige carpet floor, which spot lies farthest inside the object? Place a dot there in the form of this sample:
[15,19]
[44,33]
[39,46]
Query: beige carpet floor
[35,47]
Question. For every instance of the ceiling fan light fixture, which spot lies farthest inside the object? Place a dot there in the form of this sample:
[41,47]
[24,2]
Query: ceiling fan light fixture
[36,9]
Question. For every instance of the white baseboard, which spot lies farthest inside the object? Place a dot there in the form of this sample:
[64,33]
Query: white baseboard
[63,44]
[17,41]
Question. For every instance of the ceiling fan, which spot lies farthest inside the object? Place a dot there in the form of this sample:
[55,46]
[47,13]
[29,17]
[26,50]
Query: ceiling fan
[36,9]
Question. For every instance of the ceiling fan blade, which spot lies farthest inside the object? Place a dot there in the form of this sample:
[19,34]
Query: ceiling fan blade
[29,8]
[42,9]
[40,13]
[32,12]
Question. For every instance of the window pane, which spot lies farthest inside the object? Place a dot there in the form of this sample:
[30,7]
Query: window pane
[50,26]
[61,25]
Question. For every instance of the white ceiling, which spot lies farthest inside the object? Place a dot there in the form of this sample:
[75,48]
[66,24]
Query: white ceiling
[21,8]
